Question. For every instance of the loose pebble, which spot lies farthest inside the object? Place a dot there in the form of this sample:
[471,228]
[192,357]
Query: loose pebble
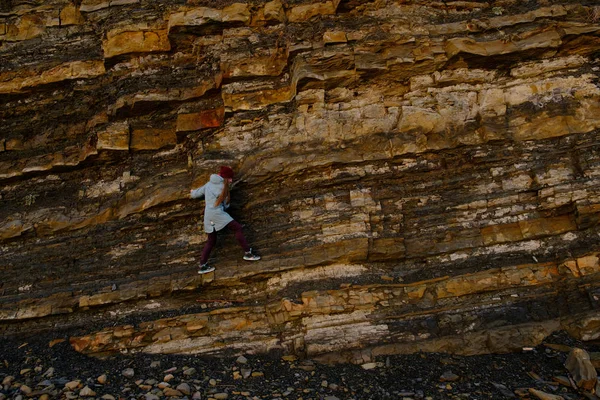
[189,372]
[26,389]
[72,385]
[128,373]
[220,396]
[184,388]
[8,380]
[168,378]
[241,360]
[87,392]
[246,373]
[170,392]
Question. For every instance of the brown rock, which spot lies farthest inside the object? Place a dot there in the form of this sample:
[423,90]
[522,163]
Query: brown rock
[273,11]
[544,396]
[203,119]
[305,12]
[93,5]
[170,392]
[70,15]
[334,37]
[152,139]
[114,137]
[67,71]
[581,369]
[136,42]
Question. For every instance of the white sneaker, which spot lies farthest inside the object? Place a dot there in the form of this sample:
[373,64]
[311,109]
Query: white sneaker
[248,256]
[205,268]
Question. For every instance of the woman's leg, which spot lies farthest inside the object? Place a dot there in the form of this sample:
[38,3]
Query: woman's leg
[236,227]
[210,243]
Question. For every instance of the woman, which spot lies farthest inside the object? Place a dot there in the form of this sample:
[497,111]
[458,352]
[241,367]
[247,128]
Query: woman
[216,197]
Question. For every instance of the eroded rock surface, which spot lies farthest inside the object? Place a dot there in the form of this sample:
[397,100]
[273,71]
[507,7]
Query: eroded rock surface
[416,175]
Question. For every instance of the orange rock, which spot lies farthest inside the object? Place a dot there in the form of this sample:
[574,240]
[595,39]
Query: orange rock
[152,138]
[201,120]
[501,233]
[305,12]
[547,226]
[114,137]
[136,42]
[67,71]
[70,15]
[334,37]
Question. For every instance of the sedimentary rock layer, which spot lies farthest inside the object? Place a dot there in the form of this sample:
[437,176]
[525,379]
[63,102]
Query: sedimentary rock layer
[416,175]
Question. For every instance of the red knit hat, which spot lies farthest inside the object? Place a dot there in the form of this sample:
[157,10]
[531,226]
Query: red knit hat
[226,172]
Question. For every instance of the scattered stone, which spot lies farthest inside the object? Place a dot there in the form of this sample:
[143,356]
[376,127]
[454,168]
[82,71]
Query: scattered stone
[544,396]
[168,378]
[289,358]
[324,384]
[163,385]
[581,369]
[170,392]
[128,372]
[49,373]
[189,372]
[369,366]
[237,375]
[171,370]
[246,372]
[307,366]
[197,396]
[26,390]
[241,360]
[108,397]
[155,364]
[184,388]
[44,396]
[220,396]
[8,380]
[55,342]
[151,396]
[72,385]
[562,380]
[87,392]
[448,376]
[331,398]
[257,374]
[25,371]
[102,379]
[504,390]
[212,382]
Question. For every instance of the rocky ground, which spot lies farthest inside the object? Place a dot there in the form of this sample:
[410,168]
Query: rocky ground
[41,368]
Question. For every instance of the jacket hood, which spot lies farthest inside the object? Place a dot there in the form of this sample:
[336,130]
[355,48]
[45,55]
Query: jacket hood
[214,178]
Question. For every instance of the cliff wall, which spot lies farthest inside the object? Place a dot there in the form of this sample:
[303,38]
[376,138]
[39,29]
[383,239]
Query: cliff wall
[417,175]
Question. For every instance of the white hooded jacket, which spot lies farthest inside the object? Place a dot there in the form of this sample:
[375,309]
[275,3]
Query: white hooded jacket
[215,218]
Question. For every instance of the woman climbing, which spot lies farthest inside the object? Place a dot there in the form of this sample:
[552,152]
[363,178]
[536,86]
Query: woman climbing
[216,196]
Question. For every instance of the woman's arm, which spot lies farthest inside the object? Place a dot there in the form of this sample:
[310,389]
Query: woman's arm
[197,193]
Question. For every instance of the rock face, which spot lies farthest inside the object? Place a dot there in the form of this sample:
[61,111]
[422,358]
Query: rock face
[416,175]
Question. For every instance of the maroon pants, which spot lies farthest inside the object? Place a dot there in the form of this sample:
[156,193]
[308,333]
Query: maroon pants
[212,240]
